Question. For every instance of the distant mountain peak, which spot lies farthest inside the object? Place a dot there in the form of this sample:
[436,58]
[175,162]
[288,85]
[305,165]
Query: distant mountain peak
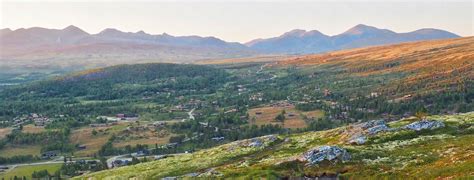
[166,35]
[6,30]
[430,30]
[74,30]
[141,32]
[295,32]
[361,29]
[110,31]
[314,32]
[299,41]
[71,27]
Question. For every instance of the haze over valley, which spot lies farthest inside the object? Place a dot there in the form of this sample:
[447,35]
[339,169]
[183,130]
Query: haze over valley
[104,98]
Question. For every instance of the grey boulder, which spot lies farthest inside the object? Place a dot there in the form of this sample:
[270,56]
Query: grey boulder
[424,124]
[330,153]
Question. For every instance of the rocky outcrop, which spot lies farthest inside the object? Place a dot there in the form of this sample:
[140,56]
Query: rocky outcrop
[258,142]
[358,133]
[330,153]
[360,139]
[372,123]
[424,124]
[379,128]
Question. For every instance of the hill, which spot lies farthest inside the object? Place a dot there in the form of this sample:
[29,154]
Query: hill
[440,148]
[420,67]
[121,83]
[305,42]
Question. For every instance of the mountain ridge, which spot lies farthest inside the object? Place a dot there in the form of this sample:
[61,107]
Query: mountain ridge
[299,41]
[72,47]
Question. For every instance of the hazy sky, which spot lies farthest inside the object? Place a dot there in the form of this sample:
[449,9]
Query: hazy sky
[239,21]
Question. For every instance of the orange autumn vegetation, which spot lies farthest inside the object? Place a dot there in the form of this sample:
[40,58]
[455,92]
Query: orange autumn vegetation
[429,65]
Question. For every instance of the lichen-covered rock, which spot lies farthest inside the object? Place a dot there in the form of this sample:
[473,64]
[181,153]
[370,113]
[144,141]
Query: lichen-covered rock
[373,123]
[425,124]
[361,139]
[330,153]
[211,173]
[376,129]
[358,133]
[260,141]
[255,143]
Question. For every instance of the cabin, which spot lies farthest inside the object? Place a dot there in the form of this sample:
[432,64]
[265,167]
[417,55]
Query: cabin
[157,157]
[171,145]
[120,162]
[140,153]
[218,138]
[81,147]
[159,124]
[230,111]
[122,116]
[49,154]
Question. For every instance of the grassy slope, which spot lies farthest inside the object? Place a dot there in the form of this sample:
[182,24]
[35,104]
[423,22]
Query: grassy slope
[16,150]
[28,170]
[429,65]
[445,152]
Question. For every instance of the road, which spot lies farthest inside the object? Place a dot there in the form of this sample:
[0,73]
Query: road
[190,114]
[58,160]
[128,157]
[112,159]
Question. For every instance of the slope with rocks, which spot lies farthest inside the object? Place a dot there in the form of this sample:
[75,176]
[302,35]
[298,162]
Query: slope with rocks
[419,67]
[430,152]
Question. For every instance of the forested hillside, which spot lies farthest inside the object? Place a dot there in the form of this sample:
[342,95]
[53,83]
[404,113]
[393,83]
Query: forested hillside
[119,83]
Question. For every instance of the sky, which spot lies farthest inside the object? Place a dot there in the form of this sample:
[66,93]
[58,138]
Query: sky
[238,21]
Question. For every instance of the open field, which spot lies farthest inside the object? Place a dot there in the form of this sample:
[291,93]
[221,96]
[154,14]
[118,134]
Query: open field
[293,118]
[136,135]
[142,134]
[4,132]
[313,114]
[28,170]
[10,150]
[30,128]
[83,136]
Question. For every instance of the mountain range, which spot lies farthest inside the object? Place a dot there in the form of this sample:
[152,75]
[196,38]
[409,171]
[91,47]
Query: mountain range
[36,39]
[304,42]
[72,47]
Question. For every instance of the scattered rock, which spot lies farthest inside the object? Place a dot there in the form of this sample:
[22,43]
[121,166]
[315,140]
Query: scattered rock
[373,123]
[425,124]
[361,139]
[330,153]
[211,172]
[358,133]
[376,129]
[255,143]
[194,174]
[260,141]
[169,178]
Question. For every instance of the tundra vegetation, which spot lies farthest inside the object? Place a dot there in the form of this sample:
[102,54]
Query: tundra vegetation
[254,119]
